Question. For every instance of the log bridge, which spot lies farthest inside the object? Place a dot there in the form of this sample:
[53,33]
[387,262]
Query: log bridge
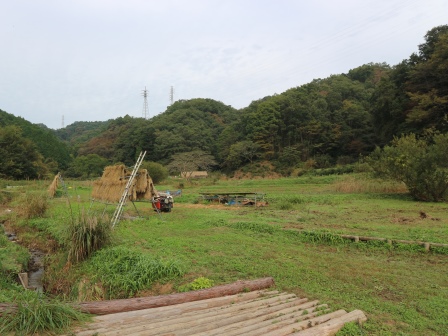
[241,308]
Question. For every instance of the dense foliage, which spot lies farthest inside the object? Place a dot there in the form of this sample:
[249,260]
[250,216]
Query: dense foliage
[55,154]
[19,158]
[420,163]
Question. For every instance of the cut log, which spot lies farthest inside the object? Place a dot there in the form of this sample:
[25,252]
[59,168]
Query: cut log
[333,326]
[301,325]
[186,308]
[183,325]
[124,305]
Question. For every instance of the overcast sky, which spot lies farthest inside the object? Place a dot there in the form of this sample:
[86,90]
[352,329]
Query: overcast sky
[89,60]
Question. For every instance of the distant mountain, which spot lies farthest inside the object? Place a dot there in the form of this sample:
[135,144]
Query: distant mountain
[81,131]
[186,125]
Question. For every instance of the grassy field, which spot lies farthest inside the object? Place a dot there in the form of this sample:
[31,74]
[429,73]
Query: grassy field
[402,289]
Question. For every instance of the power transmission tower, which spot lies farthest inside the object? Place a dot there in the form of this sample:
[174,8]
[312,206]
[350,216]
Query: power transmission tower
[171,95]
[145,103]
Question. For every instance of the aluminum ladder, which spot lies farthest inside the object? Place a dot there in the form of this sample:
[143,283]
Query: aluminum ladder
[124,197]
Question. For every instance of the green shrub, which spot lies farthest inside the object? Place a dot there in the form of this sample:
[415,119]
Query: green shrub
[156,171]
[422,164]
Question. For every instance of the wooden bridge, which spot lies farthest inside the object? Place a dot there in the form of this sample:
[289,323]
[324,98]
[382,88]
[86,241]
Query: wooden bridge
[258,312]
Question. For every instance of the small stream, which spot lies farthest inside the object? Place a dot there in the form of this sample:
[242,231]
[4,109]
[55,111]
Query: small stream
[35,265]
[36,270]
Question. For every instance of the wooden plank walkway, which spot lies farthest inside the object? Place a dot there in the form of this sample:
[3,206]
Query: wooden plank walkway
[252,313]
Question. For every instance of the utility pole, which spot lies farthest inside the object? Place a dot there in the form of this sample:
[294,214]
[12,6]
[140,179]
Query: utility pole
[145,103]
[172,95]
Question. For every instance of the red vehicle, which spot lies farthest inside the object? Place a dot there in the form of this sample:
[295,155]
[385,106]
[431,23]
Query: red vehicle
[162,202]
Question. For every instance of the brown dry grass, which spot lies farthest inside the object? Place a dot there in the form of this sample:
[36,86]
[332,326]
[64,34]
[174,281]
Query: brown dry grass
[352,184]
[54,186]
[111,185]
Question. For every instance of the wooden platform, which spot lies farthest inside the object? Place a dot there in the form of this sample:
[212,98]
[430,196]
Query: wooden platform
[253,313]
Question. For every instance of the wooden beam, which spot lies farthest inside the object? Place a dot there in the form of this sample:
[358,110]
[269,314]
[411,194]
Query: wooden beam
[124,305]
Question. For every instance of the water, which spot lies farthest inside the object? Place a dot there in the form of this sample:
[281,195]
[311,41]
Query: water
[36,270]
[35,265]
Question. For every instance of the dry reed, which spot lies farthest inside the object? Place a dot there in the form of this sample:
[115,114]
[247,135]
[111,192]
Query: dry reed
[54,186]
[352,184]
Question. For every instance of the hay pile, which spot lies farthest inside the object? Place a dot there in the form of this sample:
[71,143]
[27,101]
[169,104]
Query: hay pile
[111,185]
[54,186]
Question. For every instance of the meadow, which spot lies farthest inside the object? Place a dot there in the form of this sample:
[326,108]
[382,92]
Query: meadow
[402,288]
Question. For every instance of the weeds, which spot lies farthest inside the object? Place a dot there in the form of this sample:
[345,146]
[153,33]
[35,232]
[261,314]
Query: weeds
[350,329]
[353,184]
[87,235]
[13,257]
[123,271]
[34,205]
[322,237]
[255,227]
[196,284]
[35,314]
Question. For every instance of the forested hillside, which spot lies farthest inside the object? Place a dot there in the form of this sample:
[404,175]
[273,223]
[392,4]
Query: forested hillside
[185,126]
[28,150]
[81,131]
[327,122]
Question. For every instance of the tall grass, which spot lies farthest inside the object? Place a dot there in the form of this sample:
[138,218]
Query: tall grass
[33,205]
[355,184]
[123,272]
[35,314]
[13,257]
[86,235]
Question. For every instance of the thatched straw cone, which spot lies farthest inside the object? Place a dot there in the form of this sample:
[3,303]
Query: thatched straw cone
[54,186]
[111,185]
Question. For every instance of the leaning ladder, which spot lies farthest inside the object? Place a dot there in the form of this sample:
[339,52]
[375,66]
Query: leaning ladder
[124,197]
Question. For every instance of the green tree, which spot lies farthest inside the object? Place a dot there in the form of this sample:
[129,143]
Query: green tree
[19,158]
[191,161]
[263,126]
[421,164]
[389,103]
[156,171]
[87,166]
[241,153]
[428,86]
[44,139]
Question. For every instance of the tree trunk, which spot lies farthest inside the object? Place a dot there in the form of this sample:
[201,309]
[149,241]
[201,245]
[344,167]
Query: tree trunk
[123,305]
